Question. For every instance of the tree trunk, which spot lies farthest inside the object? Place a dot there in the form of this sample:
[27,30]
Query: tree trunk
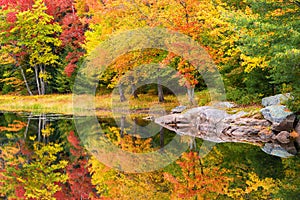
[160,90]
[25,81]
[37,79]
[121,92]
[191,95]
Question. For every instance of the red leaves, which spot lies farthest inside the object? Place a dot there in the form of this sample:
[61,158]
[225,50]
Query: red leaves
[21,5]
[11,17]
[72,37]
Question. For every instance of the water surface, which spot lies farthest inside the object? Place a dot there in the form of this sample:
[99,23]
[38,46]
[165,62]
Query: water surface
[42,156]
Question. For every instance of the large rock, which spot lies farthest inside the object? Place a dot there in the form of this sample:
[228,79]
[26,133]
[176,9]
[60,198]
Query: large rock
[276,113]
[275,100]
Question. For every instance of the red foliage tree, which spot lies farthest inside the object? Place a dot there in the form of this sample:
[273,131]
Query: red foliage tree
[64,13]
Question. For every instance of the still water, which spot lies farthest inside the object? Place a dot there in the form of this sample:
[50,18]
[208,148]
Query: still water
[44,157]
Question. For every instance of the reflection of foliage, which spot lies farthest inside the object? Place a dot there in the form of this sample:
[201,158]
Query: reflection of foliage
[256,188]
[196,181]
[128,142]
[37,178]
[291,183]
[120,185]
[14,127]
[79,182]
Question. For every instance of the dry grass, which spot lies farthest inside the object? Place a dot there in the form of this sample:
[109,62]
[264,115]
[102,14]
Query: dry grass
[104,105]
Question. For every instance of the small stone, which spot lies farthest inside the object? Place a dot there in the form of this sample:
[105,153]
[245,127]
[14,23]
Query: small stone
[178,109]
[283,137]
[223,104]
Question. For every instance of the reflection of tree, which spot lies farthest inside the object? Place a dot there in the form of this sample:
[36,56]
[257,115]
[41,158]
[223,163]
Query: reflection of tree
[79,183]
[35,178]
[196,181]
[290,184]
[121,185]
[253,172]
[256,188]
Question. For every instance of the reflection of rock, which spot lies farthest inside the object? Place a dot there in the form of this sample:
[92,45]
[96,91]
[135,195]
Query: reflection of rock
[275,113]
[275,100]
[216,125]
[283,137]
[290,147]
[276,150]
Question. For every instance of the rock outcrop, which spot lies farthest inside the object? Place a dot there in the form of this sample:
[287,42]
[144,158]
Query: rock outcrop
[273,133]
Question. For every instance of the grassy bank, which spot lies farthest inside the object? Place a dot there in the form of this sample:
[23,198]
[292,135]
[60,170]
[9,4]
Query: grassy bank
[104,104]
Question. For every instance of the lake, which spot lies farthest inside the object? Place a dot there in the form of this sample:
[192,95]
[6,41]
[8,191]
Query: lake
[52,156]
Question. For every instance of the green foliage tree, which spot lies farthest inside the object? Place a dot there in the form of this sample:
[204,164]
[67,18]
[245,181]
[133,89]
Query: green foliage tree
[269,47]
[34,31]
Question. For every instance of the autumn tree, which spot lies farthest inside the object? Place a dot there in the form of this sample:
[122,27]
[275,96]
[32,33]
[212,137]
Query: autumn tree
[201,20]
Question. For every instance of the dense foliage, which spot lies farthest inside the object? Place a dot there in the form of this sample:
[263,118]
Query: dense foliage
[255,44]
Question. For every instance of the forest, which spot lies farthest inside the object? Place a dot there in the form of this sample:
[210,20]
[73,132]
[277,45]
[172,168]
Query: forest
[45,44]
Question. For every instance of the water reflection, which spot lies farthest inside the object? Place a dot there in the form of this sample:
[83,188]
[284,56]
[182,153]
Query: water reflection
[42,157]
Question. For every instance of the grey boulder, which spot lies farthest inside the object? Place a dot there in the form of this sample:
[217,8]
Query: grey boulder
[275,100]
[275,113]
